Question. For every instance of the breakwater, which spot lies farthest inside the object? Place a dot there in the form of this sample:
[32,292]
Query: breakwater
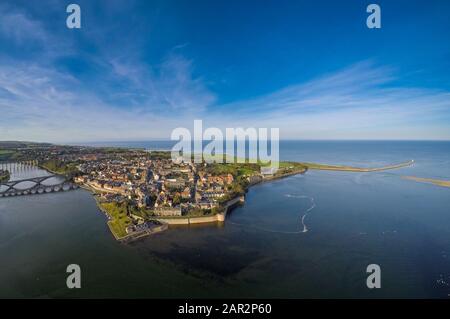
[327,167]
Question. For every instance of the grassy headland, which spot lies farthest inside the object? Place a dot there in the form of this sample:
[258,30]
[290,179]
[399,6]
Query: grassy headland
[118,217]
[58,167]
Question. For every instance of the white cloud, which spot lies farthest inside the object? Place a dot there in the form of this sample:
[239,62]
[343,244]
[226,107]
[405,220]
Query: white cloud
[359,102]
[20,28]
[38,103]
[42,104]
[169,86]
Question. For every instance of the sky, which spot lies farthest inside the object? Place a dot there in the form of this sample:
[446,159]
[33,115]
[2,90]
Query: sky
[136,70]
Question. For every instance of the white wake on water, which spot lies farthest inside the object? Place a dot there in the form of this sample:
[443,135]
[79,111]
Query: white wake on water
[304,214]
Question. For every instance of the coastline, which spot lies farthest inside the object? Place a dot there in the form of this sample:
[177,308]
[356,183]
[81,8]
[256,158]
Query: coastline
[186,220]
[286,169]
[167,222]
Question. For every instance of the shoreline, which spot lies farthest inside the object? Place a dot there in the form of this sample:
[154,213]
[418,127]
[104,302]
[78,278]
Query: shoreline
[228,206]
[186,220]
[167,222]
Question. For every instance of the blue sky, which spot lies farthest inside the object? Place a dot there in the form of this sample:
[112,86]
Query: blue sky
[138,69]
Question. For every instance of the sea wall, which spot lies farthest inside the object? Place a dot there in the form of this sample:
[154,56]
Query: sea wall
[144,233]
[192,220]
[204,219]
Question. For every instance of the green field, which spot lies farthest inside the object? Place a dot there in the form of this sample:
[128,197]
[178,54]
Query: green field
[60,168]
[233,169]
[7,154]
[119,219]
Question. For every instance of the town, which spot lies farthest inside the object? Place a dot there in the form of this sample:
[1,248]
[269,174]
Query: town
[142,192]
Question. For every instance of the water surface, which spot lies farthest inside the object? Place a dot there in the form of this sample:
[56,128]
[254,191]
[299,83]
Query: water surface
[353,219]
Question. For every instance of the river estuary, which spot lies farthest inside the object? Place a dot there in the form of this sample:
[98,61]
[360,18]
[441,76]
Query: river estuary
[309,235]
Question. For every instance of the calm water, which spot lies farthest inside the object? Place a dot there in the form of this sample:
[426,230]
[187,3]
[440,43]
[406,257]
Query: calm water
[19,172]
[353,219]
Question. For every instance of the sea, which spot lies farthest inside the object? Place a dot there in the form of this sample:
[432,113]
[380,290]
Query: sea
[305,236]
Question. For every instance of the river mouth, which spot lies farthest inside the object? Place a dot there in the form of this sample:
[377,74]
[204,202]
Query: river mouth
[259,252]
[31,180]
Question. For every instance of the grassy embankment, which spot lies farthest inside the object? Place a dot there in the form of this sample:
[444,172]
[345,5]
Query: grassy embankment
[119,219]
[437,182]
[7,155]
[58,167]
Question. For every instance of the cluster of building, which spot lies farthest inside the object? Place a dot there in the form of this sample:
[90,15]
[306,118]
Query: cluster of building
[159,186]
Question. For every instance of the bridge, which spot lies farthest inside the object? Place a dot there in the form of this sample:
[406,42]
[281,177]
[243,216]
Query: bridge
[35,186]
[19,166]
